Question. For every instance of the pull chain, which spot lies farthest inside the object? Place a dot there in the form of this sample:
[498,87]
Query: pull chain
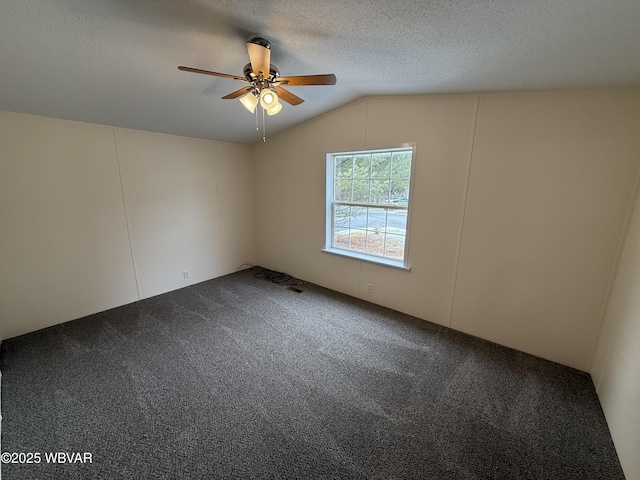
[257,128]
[264,128]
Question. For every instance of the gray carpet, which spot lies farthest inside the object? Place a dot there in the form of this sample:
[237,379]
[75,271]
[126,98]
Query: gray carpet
[240,377]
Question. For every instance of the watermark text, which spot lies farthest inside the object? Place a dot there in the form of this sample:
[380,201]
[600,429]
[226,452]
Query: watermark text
[46,457]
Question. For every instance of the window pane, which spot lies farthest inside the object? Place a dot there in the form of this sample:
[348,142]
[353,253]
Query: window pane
[375,243]
[358,217]
[341,218]
[397,221]
[343,191]
[361,166]
[376,219]
[341,239]
[400,192]
[361,191]
[380,165]
[379,191]
[394,246]
[401,165]
[358,240]
[344,166]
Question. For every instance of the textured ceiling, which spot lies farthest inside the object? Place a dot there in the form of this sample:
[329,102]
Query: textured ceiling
[115,62]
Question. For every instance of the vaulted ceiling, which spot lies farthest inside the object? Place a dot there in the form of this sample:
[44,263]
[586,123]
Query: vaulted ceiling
[115,62]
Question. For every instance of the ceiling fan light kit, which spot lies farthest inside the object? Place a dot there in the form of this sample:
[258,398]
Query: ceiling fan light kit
[264,81]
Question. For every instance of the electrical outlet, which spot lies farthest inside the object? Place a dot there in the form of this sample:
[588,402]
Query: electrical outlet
[369,288]
[185,274]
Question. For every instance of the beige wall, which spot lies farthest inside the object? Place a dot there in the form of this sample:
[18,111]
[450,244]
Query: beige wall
[551,182]
[188,203]
[94,217]
[517,210]
[616,364]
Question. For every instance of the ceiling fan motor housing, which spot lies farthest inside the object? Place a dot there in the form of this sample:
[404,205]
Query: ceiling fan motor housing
[263,42]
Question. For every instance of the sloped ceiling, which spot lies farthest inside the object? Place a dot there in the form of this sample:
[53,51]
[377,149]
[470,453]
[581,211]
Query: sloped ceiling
[115,62]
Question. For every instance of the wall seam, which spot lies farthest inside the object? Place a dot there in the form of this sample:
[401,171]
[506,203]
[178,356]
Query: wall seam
[366,122]
[257,250]
[464,208]
[219,215]
[126,216]
[613,276]
[298,201]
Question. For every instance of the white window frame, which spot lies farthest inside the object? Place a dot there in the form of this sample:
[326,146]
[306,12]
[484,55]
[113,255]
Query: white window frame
[329,247]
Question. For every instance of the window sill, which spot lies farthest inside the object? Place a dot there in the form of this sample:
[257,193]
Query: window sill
[368,258]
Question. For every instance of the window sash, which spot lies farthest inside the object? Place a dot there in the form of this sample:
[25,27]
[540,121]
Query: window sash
[334,205]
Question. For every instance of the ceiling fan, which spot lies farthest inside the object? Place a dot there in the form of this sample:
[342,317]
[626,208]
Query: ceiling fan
[264,83]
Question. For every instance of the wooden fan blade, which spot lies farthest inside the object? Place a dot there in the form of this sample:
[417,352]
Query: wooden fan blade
[328,79]
[289,97]
[215,74]
[238,93]
[260,58]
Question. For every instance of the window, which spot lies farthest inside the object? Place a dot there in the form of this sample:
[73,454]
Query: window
[368,204]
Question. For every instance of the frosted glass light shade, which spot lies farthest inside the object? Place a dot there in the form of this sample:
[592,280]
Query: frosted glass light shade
[275,109]
[268,99]
[250,101]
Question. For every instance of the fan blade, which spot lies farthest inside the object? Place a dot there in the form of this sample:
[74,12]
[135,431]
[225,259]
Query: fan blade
[238,93]
[288,97]
[260,58]
[215,74]
[328,79]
